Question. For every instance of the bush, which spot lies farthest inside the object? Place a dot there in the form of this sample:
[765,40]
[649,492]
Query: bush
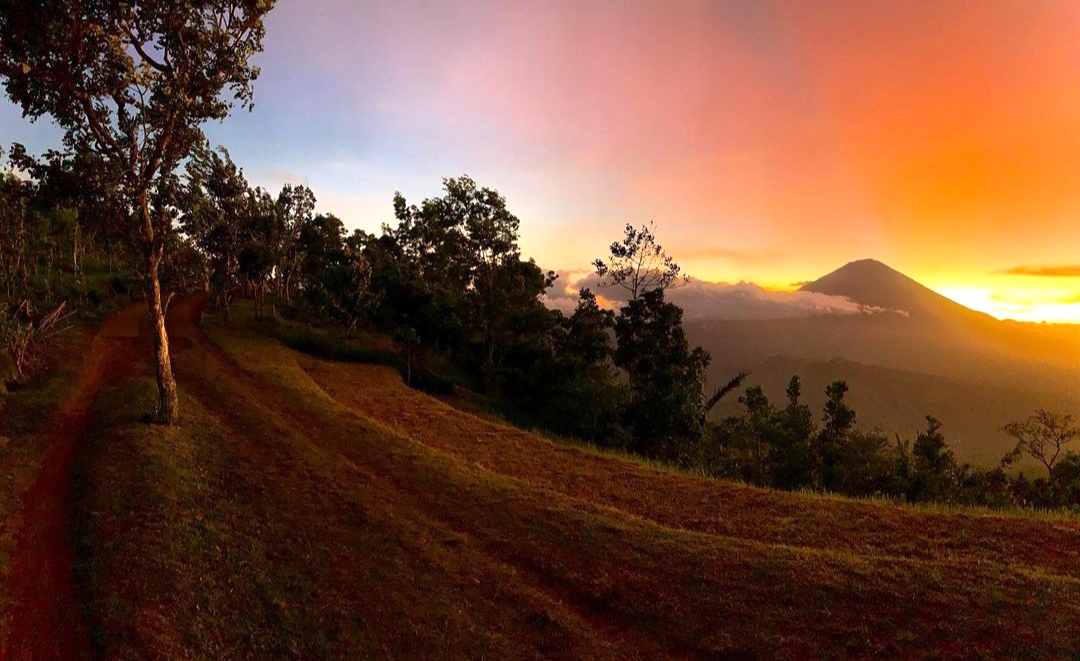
[323,344]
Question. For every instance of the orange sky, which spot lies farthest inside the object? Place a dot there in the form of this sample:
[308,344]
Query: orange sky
[775,145]
[770,141]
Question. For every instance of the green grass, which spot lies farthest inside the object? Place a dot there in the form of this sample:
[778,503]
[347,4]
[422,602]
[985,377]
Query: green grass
[173,524]
[436,375]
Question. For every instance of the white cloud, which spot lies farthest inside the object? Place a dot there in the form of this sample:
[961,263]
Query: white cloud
[718,300]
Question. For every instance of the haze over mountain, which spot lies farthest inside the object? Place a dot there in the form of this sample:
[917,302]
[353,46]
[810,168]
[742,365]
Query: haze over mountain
[917,353]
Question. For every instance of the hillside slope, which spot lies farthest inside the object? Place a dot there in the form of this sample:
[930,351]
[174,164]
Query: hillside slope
[310,509]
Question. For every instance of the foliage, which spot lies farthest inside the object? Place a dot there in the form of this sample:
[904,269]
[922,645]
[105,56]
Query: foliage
[326,344]
[785,449]
[218,219]
[1043,437]
[666,411]
[51,259]
[451,276]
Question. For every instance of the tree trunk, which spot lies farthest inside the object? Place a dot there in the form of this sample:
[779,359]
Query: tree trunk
[168,403]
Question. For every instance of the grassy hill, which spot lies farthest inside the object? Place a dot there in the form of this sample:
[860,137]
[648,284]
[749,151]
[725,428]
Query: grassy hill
[313,509]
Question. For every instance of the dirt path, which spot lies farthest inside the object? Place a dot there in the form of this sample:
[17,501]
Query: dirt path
[47,616]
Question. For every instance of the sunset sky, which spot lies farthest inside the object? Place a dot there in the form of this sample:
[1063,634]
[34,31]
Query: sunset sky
[770,141]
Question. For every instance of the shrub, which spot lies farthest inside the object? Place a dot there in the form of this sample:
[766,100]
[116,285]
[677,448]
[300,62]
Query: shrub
[24,335]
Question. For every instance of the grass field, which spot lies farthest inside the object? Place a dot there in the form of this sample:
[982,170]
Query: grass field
[314,509]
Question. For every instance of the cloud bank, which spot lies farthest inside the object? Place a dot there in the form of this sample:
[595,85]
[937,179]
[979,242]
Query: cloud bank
[717,300]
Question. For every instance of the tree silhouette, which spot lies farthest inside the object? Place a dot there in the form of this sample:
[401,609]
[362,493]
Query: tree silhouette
[666,413]
[638,264]
[1043,437]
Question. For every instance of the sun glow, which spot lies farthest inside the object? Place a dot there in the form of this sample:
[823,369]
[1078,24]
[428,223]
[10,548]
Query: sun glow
[1056,305]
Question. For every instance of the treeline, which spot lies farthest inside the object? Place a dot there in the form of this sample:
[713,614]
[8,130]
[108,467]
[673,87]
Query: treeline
[448,285]
[784,447]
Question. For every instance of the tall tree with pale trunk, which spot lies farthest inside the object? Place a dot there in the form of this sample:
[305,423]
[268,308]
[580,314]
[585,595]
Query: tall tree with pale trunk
[133,81]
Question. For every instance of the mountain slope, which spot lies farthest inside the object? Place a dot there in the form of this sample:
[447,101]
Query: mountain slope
[870,282]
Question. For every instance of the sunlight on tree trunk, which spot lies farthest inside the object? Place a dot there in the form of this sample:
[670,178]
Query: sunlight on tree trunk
[168,404]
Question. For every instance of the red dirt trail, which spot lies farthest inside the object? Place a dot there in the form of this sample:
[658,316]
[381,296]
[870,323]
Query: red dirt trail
[48,620]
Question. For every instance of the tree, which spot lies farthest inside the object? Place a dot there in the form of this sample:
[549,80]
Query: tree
[352,298]
[324,274]
[933,468]
[15,236]
[638,264]
[457,280]
[762,435]
[295,211]
[838,424]
[74,187]
[587,341]
[584,392]
[666,412]
[219,212]
[1043,437]
[667,407]
[133,82]
[259,254]
[797,423]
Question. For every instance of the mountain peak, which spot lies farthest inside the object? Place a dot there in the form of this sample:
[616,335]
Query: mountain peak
[867,265]
[871,282]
